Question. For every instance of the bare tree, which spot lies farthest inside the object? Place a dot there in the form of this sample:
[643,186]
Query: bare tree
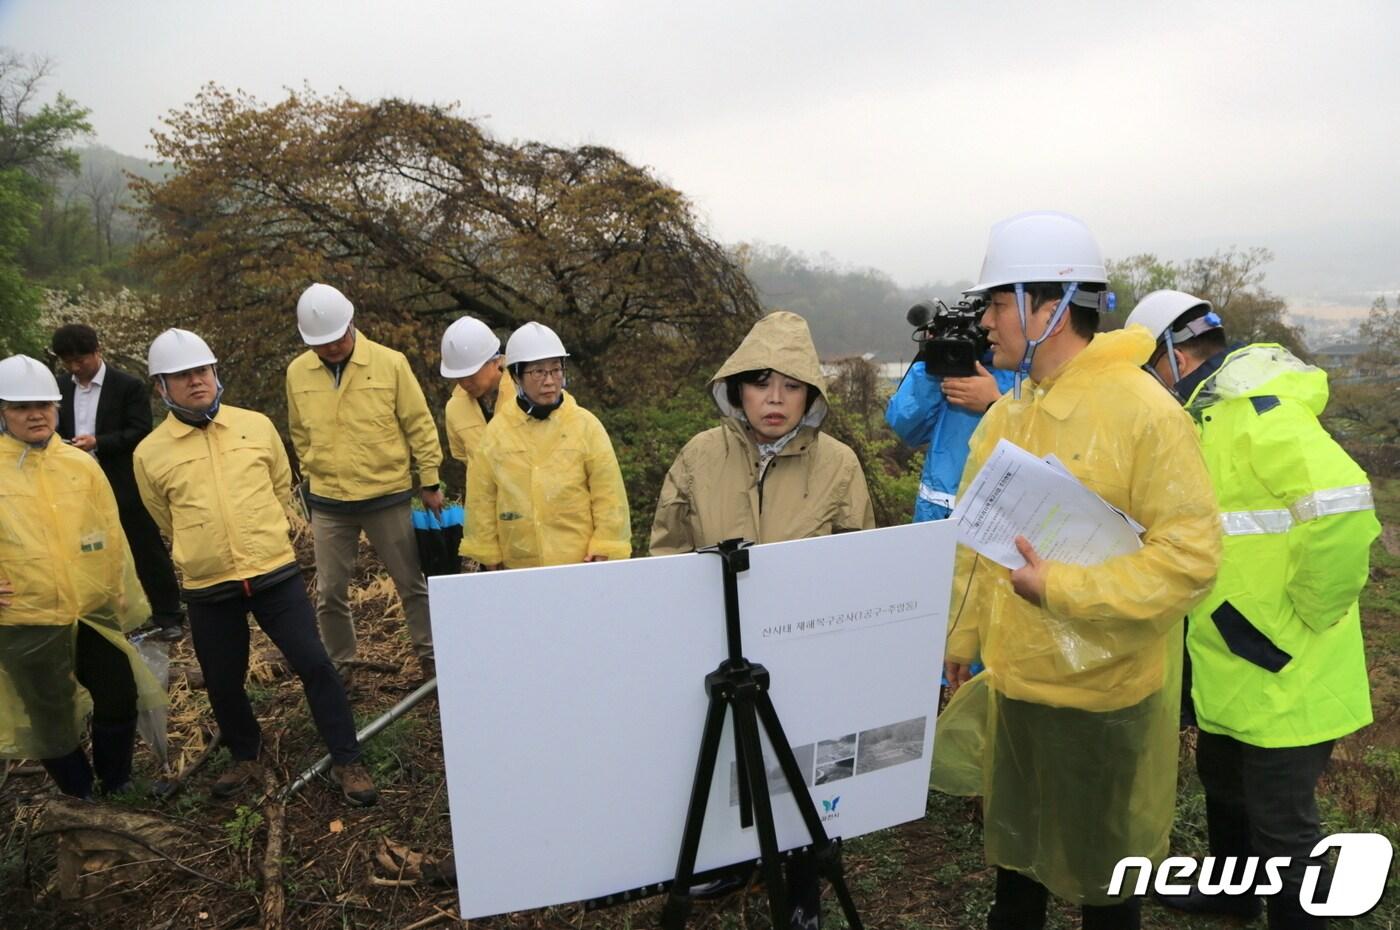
[106,189]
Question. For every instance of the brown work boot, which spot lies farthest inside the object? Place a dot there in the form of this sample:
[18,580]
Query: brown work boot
[356,784]
[427,670]
[236,777]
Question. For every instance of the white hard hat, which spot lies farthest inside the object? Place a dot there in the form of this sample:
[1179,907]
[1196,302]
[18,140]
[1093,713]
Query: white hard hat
[25,379]
[1160,309]
[532,342]
[466,346]
[1041,246]
[177,350]
[323,314]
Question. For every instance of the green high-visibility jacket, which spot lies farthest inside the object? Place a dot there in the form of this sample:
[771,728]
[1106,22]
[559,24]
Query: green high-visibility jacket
[1276,649]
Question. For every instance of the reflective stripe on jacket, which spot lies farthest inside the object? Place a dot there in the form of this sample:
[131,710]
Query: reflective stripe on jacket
[1276,647]
[919,414]
[221,493]
[545,492]
[354,440]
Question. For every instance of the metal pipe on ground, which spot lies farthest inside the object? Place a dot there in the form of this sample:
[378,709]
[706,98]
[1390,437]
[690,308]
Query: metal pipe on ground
[369,731]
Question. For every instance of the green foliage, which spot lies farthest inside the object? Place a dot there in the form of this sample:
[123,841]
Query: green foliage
[1231,279]
[647,439]
[240,830]
[36,141]
[386,754]
[19,300]
[857,419]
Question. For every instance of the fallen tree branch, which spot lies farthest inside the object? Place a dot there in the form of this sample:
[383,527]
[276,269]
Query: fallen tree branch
[274,897]
[437,918]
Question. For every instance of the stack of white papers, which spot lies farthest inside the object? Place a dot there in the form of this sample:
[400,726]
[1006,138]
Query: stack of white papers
[1016,494]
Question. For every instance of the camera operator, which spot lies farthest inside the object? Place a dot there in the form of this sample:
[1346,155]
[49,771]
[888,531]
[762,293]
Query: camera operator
[942,411]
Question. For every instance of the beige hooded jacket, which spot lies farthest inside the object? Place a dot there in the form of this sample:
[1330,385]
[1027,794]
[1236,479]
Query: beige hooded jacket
[718,489]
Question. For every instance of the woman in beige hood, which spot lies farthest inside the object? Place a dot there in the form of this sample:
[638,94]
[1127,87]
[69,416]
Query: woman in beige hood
[767,473]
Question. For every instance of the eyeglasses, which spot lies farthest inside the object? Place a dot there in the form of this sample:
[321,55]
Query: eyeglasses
[544,374]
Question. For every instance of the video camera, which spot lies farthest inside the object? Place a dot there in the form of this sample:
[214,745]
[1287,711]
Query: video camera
[951,339]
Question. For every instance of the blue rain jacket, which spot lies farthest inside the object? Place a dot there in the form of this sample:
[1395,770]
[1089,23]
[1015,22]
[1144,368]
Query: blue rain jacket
[919,413]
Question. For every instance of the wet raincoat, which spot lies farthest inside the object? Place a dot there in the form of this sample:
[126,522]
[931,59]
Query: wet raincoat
[221,494]
[920,415]
[64,552]
[1079,759]
[466,422]
[717,490]
[545,492]
[1276,647]
[354,440]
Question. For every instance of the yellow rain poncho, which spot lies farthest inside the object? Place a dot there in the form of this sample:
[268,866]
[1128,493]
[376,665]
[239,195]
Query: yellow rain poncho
[812,487]
[545,492]
[63,551]
[1081,712]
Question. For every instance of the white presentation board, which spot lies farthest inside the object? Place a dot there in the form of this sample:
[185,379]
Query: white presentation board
[572,703]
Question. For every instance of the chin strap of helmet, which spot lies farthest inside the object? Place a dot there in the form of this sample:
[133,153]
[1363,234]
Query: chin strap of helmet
[1024,369]
[1202,324]
[190,416]
[523,401]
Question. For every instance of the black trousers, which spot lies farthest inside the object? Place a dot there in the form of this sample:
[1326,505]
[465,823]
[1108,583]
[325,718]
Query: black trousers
[219,630]
[1263,802]
[1021,901]
[153,565]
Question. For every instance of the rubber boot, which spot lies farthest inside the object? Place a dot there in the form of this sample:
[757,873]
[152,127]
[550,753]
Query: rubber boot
[112,746]
[1020,902]
[71,773]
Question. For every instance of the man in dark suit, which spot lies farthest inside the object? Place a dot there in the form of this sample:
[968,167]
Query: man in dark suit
[106,412]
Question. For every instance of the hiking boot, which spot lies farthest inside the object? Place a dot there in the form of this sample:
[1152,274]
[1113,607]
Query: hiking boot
[427,670]
[356,784]
[233,779]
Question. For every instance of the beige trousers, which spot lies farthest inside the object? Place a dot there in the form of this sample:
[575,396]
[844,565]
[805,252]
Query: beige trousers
[337,540]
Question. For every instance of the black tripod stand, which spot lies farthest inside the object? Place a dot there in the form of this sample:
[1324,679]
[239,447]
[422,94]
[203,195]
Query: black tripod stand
[742,686]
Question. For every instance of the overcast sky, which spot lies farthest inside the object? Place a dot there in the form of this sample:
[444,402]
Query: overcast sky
[889,135]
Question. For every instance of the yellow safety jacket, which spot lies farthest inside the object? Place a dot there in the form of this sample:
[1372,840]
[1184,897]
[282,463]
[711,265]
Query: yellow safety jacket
[1276,647]
[221,493]
[354,440]
[545,492]
[466,422]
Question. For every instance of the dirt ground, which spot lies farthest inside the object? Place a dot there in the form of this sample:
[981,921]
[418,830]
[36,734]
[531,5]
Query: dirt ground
[332,866]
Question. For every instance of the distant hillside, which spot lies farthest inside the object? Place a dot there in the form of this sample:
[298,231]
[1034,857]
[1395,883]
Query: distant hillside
[103,172]
[851,311]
